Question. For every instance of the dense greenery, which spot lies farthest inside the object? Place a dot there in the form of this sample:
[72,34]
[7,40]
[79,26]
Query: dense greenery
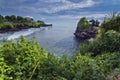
[11,22]
[112,23]
[110,43]
[105,49]
[83,24]
[25,60]
[96,60]
[19,59]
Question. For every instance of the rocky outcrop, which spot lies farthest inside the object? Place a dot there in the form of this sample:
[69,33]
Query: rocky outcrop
[86,34]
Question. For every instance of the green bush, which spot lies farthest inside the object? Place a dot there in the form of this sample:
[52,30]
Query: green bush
[78,68]
[1,25]
[111,60]
[9,26]
[6,25]
[19,25]
[52,68]
[25,60]
[86,68]
[4,69]
[110,43]
[21,58]
[83,24]
[112,23]
[109,64]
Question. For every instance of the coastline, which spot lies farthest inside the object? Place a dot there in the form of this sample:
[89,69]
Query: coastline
[18,28]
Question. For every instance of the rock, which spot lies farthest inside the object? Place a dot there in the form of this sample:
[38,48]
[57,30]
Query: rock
[86,34]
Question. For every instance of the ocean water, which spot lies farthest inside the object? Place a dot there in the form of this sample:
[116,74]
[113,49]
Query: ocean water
[58,40]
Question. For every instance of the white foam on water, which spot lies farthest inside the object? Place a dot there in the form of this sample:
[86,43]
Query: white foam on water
[4,36]
[23,33]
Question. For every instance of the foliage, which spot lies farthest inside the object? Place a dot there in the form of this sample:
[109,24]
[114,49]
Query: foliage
[12,22]
[1,18]
[7,25]
[82,71]
[40,22]
[54,68]
[20,19]
[25,59]
[111,60]
[83,24]
[110,43]
[100,33]
[109,64]
[21,58]
[112,23]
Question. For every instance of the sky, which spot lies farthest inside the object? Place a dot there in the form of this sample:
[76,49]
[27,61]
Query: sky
[59,12]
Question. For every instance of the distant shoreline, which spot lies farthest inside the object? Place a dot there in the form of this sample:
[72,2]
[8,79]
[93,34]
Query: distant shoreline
[5,30]
[16,23]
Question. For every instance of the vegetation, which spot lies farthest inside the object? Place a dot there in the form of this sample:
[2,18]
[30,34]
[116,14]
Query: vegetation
[105,49]
[83,24]
[25,60]
[96,60]
[110,43]
[17,22]
[112,22]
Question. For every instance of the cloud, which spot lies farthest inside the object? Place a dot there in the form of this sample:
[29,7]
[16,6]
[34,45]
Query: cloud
[68,5]
[90,15]
[29,16]
[47,6]
[55,1]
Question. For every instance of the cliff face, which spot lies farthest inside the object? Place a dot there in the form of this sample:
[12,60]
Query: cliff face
[85,30]
[86,34]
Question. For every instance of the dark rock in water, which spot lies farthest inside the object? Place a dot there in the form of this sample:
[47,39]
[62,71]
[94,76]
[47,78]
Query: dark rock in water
[86,34]
[45,25]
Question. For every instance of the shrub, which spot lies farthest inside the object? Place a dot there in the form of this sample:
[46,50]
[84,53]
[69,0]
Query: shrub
[112,23]
[111,60]
[110,64]
[21,57]
[6,25]
[52,68]
[86,68]
[83,24]
[1,25]
[110,43]
[25,60]
[80,67]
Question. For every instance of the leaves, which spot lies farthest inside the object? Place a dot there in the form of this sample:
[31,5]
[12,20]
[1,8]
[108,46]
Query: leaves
[25,60]
[83,24]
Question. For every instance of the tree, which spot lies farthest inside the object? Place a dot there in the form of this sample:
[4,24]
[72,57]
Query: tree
[1,18]
[13,18]
[7,18]
[20,19]
[28,19]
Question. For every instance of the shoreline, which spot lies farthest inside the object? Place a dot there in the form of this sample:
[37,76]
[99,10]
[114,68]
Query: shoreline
[18,28]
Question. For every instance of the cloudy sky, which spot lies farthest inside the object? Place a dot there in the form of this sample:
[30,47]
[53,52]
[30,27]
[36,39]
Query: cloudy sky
[67,11]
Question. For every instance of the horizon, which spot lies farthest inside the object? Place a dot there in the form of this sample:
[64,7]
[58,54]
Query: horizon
[60,12]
